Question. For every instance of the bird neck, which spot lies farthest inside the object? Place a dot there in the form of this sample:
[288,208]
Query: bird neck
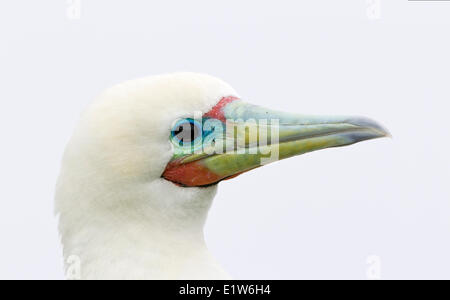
[149,231]
[141,250]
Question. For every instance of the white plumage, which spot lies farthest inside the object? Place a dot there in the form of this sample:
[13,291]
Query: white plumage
[115,211]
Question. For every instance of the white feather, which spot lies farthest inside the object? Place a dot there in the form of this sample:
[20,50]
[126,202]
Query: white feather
[116,212]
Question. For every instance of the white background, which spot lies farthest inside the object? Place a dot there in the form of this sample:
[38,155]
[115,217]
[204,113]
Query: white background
[317,216]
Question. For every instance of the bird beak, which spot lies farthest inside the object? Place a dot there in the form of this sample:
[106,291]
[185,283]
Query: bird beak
[240,137]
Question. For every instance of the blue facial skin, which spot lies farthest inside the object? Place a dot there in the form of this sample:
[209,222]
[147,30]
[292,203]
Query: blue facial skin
[205,135]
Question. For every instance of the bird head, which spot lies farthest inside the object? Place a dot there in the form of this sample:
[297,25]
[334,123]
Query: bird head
[143,165]
[177,136]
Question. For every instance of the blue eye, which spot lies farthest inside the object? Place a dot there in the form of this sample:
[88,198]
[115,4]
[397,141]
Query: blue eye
[186,131]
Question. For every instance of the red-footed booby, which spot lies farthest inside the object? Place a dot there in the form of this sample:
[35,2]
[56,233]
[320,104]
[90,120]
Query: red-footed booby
[141,170]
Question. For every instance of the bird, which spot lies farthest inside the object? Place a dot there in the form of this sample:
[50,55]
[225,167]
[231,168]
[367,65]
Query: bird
[140,172]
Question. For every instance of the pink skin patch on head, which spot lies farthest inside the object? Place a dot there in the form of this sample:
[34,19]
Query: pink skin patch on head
[191,174]
[217,111]
[195,173]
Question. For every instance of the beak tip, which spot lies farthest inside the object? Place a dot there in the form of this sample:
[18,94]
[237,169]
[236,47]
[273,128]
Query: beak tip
[369,124]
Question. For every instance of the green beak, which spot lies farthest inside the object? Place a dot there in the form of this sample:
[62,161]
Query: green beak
[241,137]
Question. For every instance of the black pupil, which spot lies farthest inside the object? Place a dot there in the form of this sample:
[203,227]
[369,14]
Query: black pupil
[186,132]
